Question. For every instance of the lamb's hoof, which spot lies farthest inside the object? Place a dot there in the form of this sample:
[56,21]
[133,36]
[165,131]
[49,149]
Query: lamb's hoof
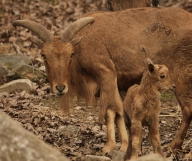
[107,149]
[124,147]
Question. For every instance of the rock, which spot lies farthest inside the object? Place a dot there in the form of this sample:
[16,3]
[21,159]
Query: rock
[117,155]
[18,144]
[18,67]
[96,158]
[28,72]
[151,157]
[3,72]
[68,130]
[24,84]
[11,61]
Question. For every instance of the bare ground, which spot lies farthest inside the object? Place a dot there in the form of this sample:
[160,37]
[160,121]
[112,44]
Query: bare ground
[78,134]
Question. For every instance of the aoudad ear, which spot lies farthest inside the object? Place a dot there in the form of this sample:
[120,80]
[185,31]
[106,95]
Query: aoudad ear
[151,68]
[150,65]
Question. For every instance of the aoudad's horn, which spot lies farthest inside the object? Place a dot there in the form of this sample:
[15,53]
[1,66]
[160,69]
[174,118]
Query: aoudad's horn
[75,27]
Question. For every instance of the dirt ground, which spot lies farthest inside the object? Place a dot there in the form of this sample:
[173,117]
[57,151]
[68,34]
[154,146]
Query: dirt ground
[79,134]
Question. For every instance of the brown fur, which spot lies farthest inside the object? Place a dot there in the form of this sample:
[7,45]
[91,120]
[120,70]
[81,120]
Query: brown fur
[142,107]
[110,56]
[123,39]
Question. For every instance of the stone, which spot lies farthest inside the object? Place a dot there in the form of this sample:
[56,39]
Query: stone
[29,72]
[117,155]
[24,84]
[3,72]
[150,157]
[18,144]
[68,130]
[96,158]
[11,61]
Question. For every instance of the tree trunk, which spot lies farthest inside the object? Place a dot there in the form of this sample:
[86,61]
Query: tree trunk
[18,144]
[116,5]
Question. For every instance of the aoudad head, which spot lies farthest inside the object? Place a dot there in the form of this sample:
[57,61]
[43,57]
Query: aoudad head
[160,76]
[56,51]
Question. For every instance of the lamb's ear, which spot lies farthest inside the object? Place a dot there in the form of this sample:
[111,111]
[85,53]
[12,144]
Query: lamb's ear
[76,41]
[37,41]
[150,65]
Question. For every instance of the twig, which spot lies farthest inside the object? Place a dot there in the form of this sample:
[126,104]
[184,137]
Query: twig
[184,146]
[17,48]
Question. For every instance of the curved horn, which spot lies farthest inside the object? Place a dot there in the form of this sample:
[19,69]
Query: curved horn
[38,29]
[72,30]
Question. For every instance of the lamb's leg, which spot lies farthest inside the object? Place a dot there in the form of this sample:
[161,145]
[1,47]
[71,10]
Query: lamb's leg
[129,148]
[120,122]
[136,137]
[186,120]
[154,137]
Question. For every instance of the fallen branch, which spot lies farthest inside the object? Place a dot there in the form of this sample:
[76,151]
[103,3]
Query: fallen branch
[17,48]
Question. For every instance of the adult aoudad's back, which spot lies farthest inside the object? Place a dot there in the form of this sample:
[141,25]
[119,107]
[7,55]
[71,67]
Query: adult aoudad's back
[111,55]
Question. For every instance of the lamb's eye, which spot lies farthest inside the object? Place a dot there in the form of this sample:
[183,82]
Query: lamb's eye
[43,56]
[162,76]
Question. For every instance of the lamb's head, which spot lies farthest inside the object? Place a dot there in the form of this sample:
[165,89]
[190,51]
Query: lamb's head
[159,75]
[56,51]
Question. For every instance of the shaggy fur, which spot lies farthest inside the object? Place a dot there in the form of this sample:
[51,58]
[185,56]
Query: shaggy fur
[165,37]
[142,107]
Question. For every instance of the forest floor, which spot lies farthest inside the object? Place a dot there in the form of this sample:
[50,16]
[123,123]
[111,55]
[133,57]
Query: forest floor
[79,134]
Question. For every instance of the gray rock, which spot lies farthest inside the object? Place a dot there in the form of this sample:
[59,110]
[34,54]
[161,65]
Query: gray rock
[26,71]
[96,158]
[117,155]
[151,157]
[18,144]
[10,61]
[68,130]
[3,72]
[24,84]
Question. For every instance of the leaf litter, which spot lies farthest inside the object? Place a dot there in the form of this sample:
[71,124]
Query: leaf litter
[78,134]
